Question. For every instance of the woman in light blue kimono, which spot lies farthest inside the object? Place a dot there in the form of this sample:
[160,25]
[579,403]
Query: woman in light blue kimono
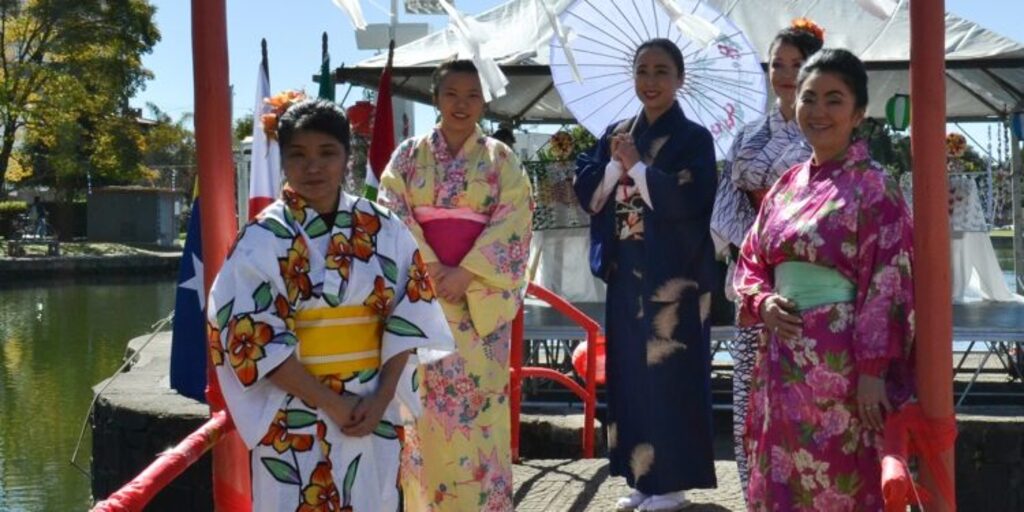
[317,322]
[762,151]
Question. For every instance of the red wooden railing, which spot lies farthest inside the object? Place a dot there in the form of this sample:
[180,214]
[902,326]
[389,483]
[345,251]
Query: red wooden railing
[143,488]
[171,463]
[587,393]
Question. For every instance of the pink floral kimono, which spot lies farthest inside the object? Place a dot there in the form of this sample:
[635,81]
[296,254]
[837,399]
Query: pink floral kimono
[807,447]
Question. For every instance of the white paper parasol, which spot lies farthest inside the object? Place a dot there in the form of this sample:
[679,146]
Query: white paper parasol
[724,88]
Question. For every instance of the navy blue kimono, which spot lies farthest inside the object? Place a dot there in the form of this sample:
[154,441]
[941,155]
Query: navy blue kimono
[658,325]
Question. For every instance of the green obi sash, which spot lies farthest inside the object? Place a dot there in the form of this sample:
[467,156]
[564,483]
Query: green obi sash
[810,285]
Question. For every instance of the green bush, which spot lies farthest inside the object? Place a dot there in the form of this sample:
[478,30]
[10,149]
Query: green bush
[9,211]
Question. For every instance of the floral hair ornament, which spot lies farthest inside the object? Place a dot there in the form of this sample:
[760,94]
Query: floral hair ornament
[809,26]
[956,145]
[278,104]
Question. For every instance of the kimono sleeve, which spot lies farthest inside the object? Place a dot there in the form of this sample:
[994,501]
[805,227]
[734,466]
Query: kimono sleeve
[754,280]
[689,191]
[590,170]
[250,330]
[394,194]
[248,312]
[884,305]
[416,321]
[732,214]
[499,255]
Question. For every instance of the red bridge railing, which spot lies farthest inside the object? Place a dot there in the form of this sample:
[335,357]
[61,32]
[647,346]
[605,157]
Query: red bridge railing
[587,393]
[136,494]
[143,488]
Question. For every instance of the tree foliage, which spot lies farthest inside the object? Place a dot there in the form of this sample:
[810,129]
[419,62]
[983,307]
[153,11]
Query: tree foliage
[67,71]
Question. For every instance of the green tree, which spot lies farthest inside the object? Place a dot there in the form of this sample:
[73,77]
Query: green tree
[67,71]
[243,129]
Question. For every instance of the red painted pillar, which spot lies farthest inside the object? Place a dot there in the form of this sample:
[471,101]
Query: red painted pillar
[217,204]
[932,288]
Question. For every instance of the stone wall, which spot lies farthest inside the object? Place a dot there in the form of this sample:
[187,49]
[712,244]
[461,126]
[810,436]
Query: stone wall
[19,269]
[137,416]
[990,459]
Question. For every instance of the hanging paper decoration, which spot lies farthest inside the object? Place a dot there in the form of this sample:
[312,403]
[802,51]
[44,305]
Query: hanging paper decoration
[693,27]
[354,11]
[1017,124]
[472,36]
[897,112]
[423,7]
[882,9]
[565,37]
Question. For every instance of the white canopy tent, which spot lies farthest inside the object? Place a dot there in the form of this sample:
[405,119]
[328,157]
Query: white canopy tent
[984,81]
[984,77]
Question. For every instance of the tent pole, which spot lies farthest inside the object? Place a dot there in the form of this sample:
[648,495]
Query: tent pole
[217,204]
[1017,202]
[934,308]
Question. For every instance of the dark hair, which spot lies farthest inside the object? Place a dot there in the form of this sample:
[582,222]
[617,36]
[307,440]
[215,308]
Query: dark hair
[843,64]
[802,39]
[446,68]
[505,135]
[665,45]
[316,115]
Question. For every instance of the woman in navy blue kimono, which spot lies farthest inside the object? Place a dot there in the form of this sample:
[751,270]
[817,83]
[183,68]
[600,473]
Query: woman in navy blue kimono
[649,185]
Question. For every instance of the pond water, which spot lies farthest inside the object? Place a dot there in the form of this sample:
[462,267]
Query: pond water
[57,340]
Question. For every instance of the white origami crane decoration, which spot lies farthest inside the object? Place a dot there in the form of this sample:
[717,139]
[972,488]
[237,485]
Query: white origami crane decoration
[882,9]
[565,37]
[694,27]
[472,36]
[354,11]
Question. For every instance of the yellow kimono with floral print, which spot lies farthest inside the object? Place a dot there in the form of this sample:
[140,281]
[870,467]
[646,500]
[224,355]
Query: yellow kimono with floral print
[459,455]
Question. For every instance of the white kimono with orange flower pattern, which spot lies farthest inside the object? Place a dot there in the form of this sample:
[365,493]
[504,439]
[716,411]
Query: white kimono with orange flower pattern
[291,259]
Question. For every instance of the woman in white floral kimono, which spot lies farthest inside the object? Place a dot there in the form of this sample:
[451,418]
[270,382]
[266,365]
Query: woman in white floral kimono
[317,322]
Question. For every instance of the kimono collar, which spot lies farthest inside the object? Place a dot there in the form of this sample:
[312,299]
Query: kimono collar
[778,124]
[856,156]
[664,123]
[300,209]
[439,145]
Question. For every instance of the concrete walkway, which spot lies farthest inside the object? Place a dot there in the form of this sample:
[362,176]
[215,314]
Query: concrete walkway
[585,485]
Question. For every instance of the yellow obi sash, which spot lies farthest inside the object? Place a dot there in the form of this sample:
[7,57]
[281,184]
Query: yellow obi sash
[341,340]
[810,285]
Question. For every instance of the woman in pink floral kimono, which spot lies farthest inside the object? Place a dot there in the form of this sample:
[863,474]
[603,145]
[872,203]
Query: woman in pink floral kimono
[826,268]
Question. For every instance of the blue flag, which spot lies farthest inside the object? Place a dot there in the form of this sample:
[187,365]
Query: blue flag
[188,343]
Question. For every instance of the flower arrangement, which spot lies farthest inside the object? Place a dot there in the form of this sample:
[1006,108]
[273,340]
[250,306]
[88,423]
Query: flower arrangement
[562,145]
[956,145]
[278,103]
[806,25]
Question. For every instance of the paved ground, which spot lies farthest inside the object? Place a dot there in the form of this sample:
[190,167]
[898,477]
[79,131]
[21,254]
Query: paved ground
[584,485]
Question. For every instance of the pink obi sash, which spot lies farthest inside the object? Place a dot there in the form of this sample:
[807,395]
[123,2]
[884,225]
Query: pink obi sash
[451,233]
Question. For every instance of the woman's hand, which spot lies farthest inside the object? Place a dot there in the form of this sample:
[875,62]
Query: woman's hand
[340,408]
[456,281]
[780,316]
[872,402]
[367,415]
[625,151]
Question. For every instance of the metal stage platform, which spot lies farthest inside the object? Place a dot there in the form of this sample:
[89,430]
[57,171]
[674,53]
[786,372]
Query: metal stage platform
[988,342]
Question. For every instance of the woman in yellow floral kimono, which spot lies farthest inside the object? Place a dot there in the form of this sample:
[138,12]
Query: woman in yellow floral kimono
[317,322]
[466,199]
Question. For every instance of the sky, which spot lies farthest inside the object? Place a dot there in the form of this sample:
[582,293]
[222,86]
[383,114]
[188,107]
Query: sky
[293,29]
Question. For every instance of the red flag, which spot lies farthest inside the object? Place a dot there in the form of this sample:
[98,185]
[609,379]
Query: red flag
[382,141]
